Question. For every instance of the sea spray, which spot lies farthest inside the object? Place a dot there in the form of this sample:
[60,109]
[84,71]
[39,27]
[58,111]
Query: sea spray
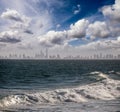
[106,89]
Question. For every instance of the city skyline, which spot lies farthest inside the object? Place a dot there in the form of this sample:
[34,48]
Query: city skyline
[43,55]
[65,27]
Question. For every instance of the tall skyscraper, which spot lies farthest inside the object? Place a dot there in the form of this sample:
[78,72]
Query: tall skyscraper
[46,53]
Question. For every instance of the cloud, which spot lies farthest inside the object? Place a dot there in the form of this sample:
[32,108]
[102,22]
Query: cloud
[98,29]
[25,46]
[102,45]
[112,12]
[28,31]
[83,28]
[53,38]
[10,37]
[77,10]
[19,26]
[42,24]
[58,26]
[110,27]
[13,15]
[41,20]
[76,30]
[118,38]
[112,18]
[2,45]
[18,20]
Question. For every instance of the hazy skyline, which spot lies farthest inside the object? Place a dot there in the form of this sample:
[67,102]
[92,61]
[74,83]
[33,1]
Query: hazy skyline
[63,26]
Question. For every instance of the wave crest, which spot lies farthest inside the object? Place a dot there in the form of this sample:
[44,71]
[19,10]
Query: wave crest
[106,89]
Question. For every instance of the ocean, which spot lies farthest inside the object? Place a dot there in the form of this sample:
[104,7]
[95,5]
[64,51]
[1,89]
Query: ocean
[59,85]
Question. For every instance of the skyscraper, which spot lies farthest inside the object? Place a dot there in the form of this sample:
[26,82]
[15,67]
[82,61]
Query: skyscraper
[46,53]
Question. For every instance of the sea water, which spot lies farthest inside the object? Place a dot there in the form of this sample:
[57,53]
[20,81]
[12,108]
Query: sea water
[60,85]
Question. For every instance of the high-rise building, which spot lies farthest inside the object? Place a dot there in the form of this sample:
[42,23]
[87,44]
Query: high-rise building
[46,53]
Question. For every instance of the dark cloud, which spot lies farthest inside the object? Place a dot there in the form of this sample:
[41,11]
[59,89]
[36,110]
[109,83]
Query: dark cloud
[10,40]
[10,37]
[28,32]
[12,15]
[15,18]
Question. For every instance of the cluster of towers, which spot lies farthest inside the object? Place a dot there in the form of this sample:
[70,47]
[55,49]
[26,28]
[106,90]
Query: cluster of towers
[45,55]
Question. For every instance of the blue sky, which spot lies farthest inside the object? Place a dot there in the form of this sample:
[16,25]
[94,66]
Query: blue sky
[87,8]
[78,25]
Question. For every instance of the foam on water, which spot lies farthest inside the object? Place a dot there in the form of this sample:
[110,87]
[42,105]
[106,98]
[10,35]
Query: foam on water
[106,89]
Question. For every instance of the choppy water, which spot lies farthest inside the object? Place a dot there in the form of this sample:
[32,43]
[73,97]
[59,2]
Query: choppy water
[59,86]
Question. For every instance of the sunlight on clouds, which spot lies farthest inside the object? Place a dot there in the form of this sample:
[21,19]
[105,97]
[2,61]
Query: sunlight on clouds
[83,28]
[20,21]
[33,25]
[112,12]
[98,29]
[76,30]
[118,39]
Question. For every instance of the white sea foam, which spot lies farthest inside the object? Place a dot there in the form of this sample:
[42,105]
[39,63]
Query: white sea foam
[95,72]
[107,89]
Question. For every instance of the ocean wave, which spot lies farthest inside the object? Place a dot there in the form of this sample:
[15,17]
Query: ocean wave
[106,89]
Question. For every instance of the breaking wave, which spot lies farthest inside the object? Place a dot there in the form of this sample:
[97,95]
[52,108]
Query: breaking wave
[105,89]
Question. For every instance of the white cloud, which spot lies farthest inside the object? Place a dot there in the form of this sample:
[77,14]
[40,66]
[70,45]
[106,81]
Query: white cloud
[42,22]
[53,38]
[2,45]
[83,28]
[112,12]
[110,27]
[118,39]
[95,47]
[102,45]
[25,15]
[77,10]
[26,18]
[15,16]
[58,26]
[17,20]
[12,15]
[98,30]
[25,46]
[10,37]
[76,30]
[112,15]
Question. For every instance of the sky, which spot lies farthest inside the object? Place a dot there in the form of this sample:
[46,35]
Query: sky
[65,27]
